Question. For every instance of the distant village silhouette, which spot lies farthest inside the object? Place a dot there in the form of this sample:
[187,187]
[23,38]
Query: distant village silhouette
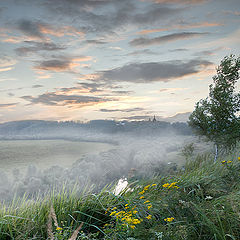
[153,120]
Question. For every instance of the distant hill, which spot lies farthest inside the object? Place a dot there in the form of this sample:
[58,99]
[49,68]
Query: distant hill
[179,117]
[39,129]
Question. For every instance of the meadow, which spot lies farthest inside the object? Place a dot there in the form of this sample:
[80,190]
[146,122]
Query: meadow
[199,201]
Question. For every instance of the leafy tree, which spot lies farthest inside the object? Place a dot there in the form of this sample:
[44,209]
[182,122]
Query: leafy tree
[217,117]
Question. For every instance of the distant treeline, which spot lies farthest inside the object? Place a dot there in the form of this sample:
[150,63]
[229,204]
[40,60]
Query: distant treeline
[54,129]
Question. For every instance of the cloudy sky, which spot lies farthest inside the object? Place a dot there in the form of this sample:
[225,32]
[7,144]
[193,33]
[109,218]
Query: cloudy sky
[111,59]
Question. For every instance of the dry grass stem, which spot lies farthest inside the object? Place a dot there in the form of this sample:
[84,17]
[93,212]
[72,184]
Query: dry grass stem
[75,233]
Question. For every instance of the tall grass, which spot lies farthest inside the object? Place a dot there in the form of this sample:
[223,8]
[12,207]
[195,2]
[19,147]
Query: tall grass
[201,202]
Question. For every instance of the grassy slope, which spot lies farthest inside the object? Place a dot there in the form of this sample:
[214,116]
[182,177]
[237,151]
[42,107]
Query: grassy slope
[205,206]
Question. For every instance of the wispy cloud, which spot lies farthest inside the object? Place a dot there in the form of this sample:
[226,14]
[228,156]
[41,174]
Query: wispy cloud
[6,63]
[144,41]
[2,79]
[123,92]
[62,63]
[43,75]
[30,28]
[13,39]
[137,118]
[7,105]
[208,52]
[114,15]
[178,1]
[155,14]
[96,89]
[154,71]
[122,110]
[147,31]
[55,65]
[6,69]
[39,30]
[171,89]
[235,13]
[54,99]
[38,46]
[37,86]
[178,50]
[91,87]
[116,48]
[140,52]
[60,31]
[182,26]
[96,41]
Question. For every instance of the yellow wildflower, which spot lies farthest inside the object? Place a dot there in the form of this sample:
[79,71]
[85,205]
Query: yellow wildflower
[229,161]
[147,201]
[154,184]
[128,220]
[135,211]
[166,185]
[149,217]
[172,185]
[132,226]
[112,213]
[169,219]
[107,210]
[117,214]
[142,192]
[141,197]
[238,158]
[59,229]
[224,162]
[136,221]
[149,206]
[147,187]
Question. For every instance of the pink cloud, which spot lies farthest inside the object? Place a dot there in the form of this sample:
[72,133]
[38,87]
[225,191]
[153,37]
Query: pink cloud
[180,26]
[59,32]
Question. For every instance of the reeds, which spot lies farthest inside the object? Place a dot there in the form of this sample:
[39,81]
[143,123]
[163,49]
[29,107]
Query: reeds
[52,217]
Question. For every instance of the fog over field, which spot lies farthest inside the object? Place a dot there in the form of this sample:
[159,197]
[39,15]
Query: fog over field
[75,154]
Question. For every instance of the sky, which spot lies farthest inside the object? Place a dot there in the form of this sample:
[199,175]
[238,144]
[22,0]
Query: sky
[82,60]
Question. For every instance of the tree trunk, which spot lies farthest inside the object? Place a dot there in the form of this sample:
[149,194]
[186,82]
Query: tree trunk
[216,153]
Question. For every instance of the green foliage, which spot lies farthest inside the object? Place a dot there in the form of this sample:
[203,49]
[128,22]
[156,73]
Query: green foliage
[188,150]
[217,116]
[202,202]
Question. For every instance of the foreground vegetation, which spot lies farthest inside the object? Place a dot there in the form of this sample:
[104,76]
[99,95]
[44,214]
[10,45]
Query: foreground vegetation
[201,201]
